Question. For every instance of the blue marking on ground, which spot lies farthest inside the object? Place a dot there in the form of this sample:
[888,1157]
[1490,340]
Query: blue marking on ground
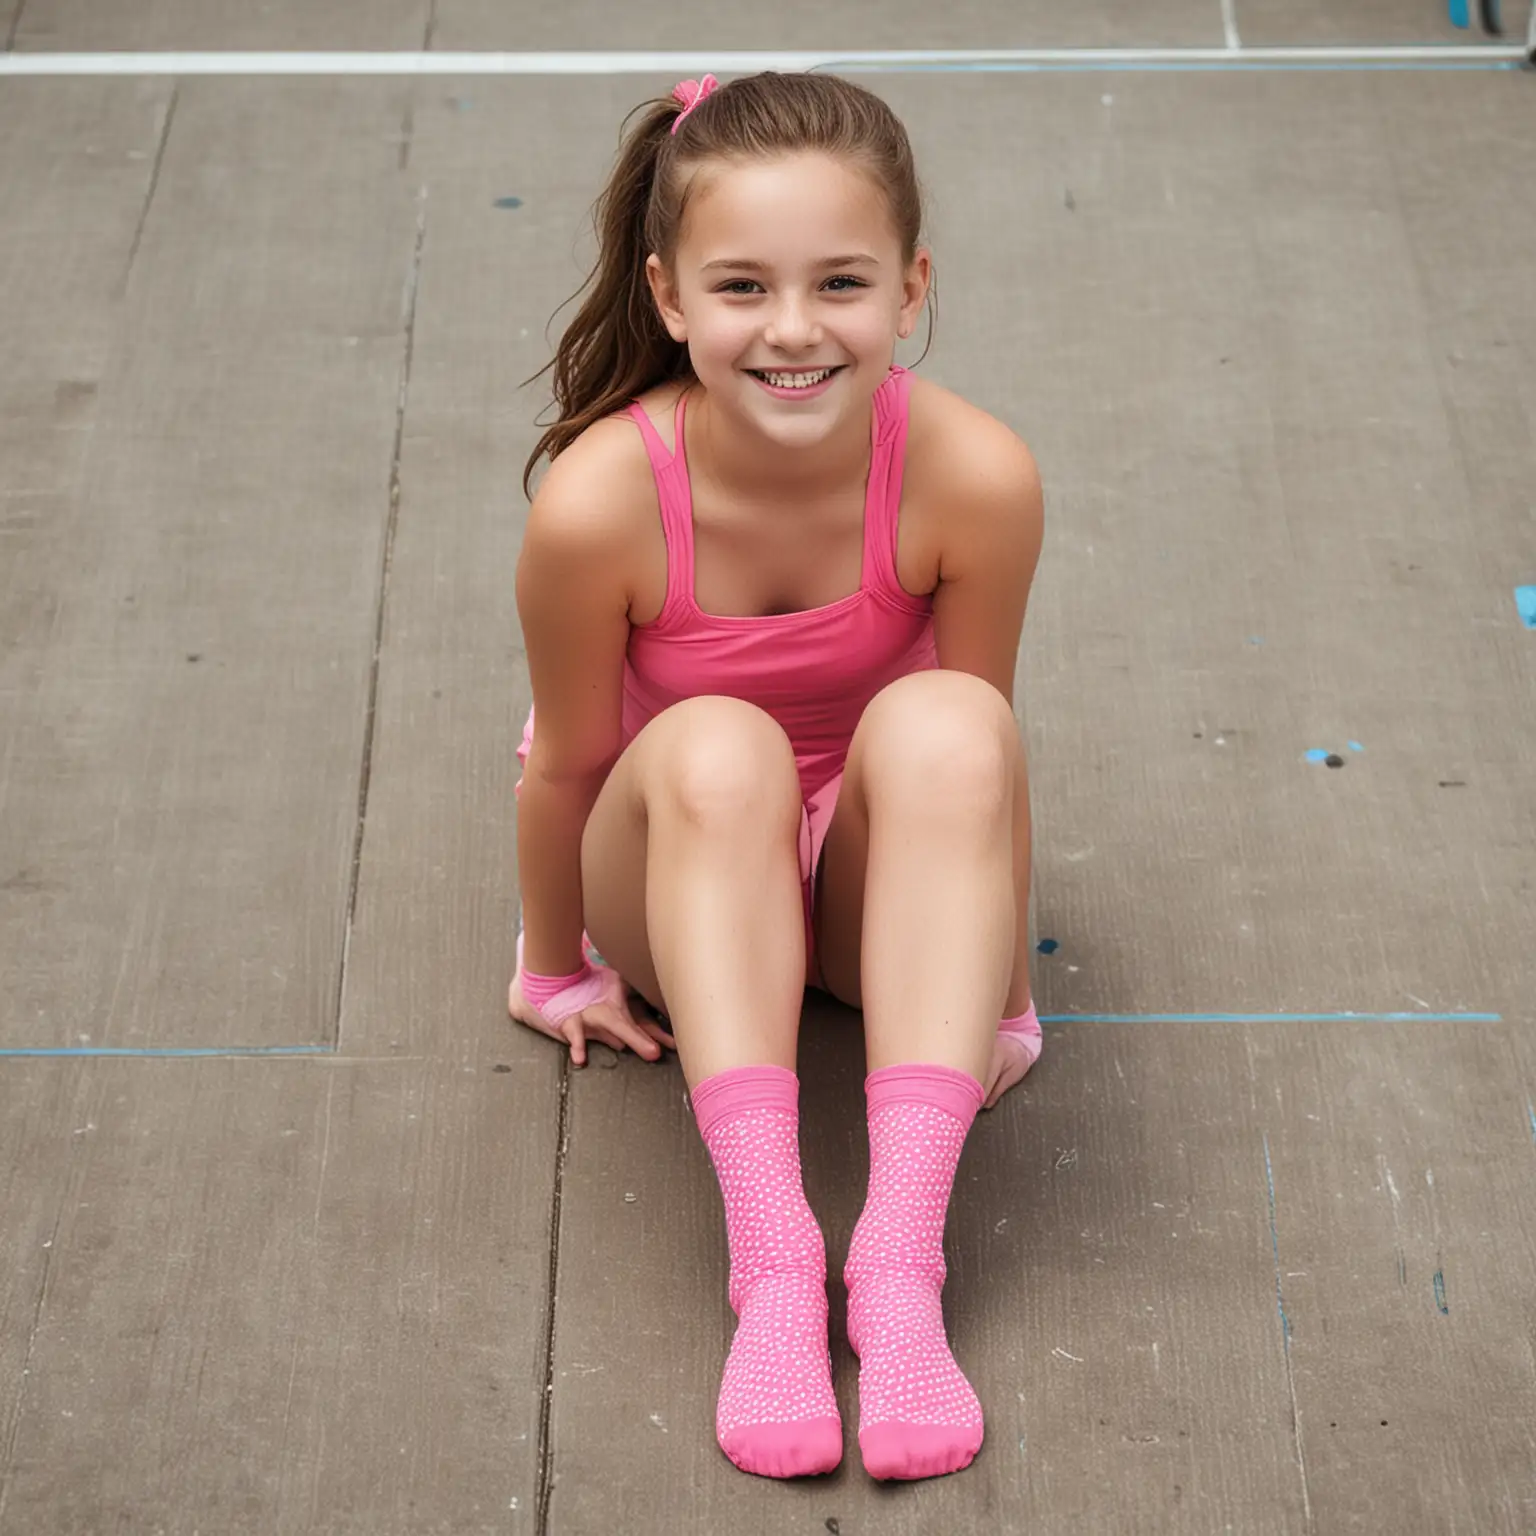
[1270,1018]
[210,1050]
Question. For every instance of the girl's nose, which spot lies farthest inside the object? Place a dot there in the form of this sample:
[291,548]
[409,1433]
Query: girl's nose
[793,326]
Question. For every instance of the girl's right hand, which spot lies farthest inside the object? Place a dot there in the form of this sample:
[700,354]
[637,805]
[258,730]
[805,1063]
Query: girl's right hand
[608,1020]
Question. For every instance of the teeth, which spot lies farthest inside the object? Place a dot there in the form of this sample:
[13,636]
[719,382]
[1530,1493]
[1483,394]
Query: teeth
[795,380]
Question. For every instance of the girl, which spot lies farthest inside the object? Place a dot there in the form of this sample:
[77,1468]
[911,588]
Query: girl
[771,592]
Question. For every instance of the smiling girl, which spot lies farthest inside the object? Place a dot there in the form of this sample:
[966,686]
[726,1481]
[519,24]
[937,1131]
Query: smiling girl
[771,591]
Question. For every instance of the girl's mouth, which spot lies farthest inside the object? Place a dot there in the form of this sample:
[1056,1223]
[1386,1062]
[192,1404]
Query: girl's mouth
[797,384]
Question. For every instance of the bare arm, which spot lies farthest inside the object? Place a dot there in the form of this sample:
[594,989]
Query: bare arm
[994,524]
[993,529]
[573,601]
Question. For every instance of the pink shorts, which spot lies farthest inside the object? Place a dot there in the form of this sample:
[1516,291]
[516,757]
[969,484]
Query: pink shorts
[815,817]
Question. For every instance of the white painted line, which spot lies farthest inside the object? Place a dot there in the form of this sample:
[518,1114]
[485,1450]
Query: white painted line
[673,64]
[1229,24]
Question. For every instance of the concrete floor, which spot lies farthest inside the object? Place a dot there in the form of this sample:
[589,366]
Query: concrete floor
[329,1245]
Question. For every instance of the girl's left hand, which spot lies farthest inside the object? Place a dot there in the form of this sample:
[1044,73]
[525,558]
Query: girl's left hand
[1011,1059]
[610,1023]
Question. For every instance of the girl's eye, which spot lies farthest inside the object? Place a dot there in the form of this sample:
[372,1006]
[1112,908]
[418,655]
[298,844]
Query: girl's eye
[735,286]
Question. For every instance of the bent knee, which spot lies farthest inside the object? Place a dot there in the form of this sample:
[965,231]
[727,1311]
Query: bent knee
[721,760]
[944,730]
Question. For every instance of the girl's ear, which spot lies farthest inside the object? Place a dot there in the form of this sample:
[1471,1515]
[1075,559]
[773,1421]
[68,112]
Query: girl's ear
[664,292]
[914,290]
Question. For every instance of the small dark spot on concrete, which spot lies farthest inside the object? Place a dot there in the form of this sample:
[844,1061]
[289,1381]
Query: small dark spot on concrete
[501,1066]
[508,202]
[23,880]
[437,693]
[1225,361]
[1068,199]
[1048,946]
[1453,783]
[1383,1423]
[72,392]
[194,656]
[1199,735]
[1333,1424]
[833,1526]
[1333,760]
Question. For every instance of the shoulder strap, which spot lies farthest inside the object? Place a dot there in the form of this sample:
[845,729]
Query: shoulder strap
[676,500]
[887,465]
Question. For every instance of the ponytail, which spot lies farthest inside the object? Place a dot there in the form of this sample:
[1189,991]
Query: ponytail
[616,347]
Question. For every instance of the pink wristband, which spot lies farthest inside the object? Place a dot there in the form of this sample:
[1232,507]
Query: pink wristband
[1024,1030]
[539,990]
[556,998]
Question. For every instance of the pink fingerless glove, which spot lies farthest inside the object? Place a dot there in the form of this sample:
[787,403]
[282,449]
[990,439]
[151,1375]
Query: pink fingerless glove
[1023,1030]
[556,998]
[1020,1040]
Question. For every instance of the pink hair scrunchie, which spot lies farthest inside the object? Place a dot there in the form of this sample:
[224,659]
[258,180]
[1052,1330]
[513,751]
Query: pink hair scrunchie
[691,93]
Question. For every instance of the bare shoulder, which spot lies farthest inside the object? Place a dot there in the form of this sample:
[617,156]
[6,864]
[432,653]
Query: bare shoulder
[971,490]
[596,514]
[599,490]
[955,447]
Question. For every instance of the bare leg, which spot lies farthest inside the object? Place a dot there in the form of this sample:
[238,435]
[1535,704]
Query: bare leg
[925,870]
[691,882]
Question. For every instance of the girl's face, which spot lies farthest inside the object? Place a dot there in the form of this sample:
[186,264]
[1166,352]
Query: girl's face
[790,293]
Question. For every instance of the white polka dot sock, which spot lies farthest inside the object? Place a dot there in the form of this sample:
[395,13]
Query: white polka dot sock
[777,1415]
[918,1416]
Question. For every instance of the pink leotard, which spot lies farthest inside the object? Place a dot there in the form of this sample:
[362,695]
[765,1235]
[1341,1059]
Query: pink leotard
[813,672]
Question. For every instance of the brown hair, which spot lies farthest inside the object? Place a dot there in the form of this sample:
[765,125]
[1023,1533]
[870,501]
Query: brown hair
[617,347]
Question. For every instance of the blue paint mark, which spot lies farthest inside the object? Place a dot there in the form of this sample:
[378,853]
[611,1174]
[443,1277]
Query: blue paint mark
[1525,605]
[1460,13]
[1047,946]
[1530,1109]
[1271,1018]
[1255,639]
[1355,746]
[1317,754]
[212,1050]
[508,202]
[1274,1239]
[1445,1311]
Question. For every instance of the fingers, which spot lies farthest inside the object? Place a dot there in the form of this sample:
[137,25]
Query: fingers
[660,1035]
[614,1027]
[577,1036]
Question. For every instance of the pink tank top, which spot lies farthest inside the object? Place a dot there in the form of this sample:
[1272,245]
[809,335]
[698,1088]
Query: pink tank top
[813,672]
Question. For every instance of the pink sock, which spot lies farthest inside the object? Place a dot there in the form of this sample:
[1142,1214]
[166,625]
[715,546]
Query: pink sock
[777,1415]
[918,1416]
